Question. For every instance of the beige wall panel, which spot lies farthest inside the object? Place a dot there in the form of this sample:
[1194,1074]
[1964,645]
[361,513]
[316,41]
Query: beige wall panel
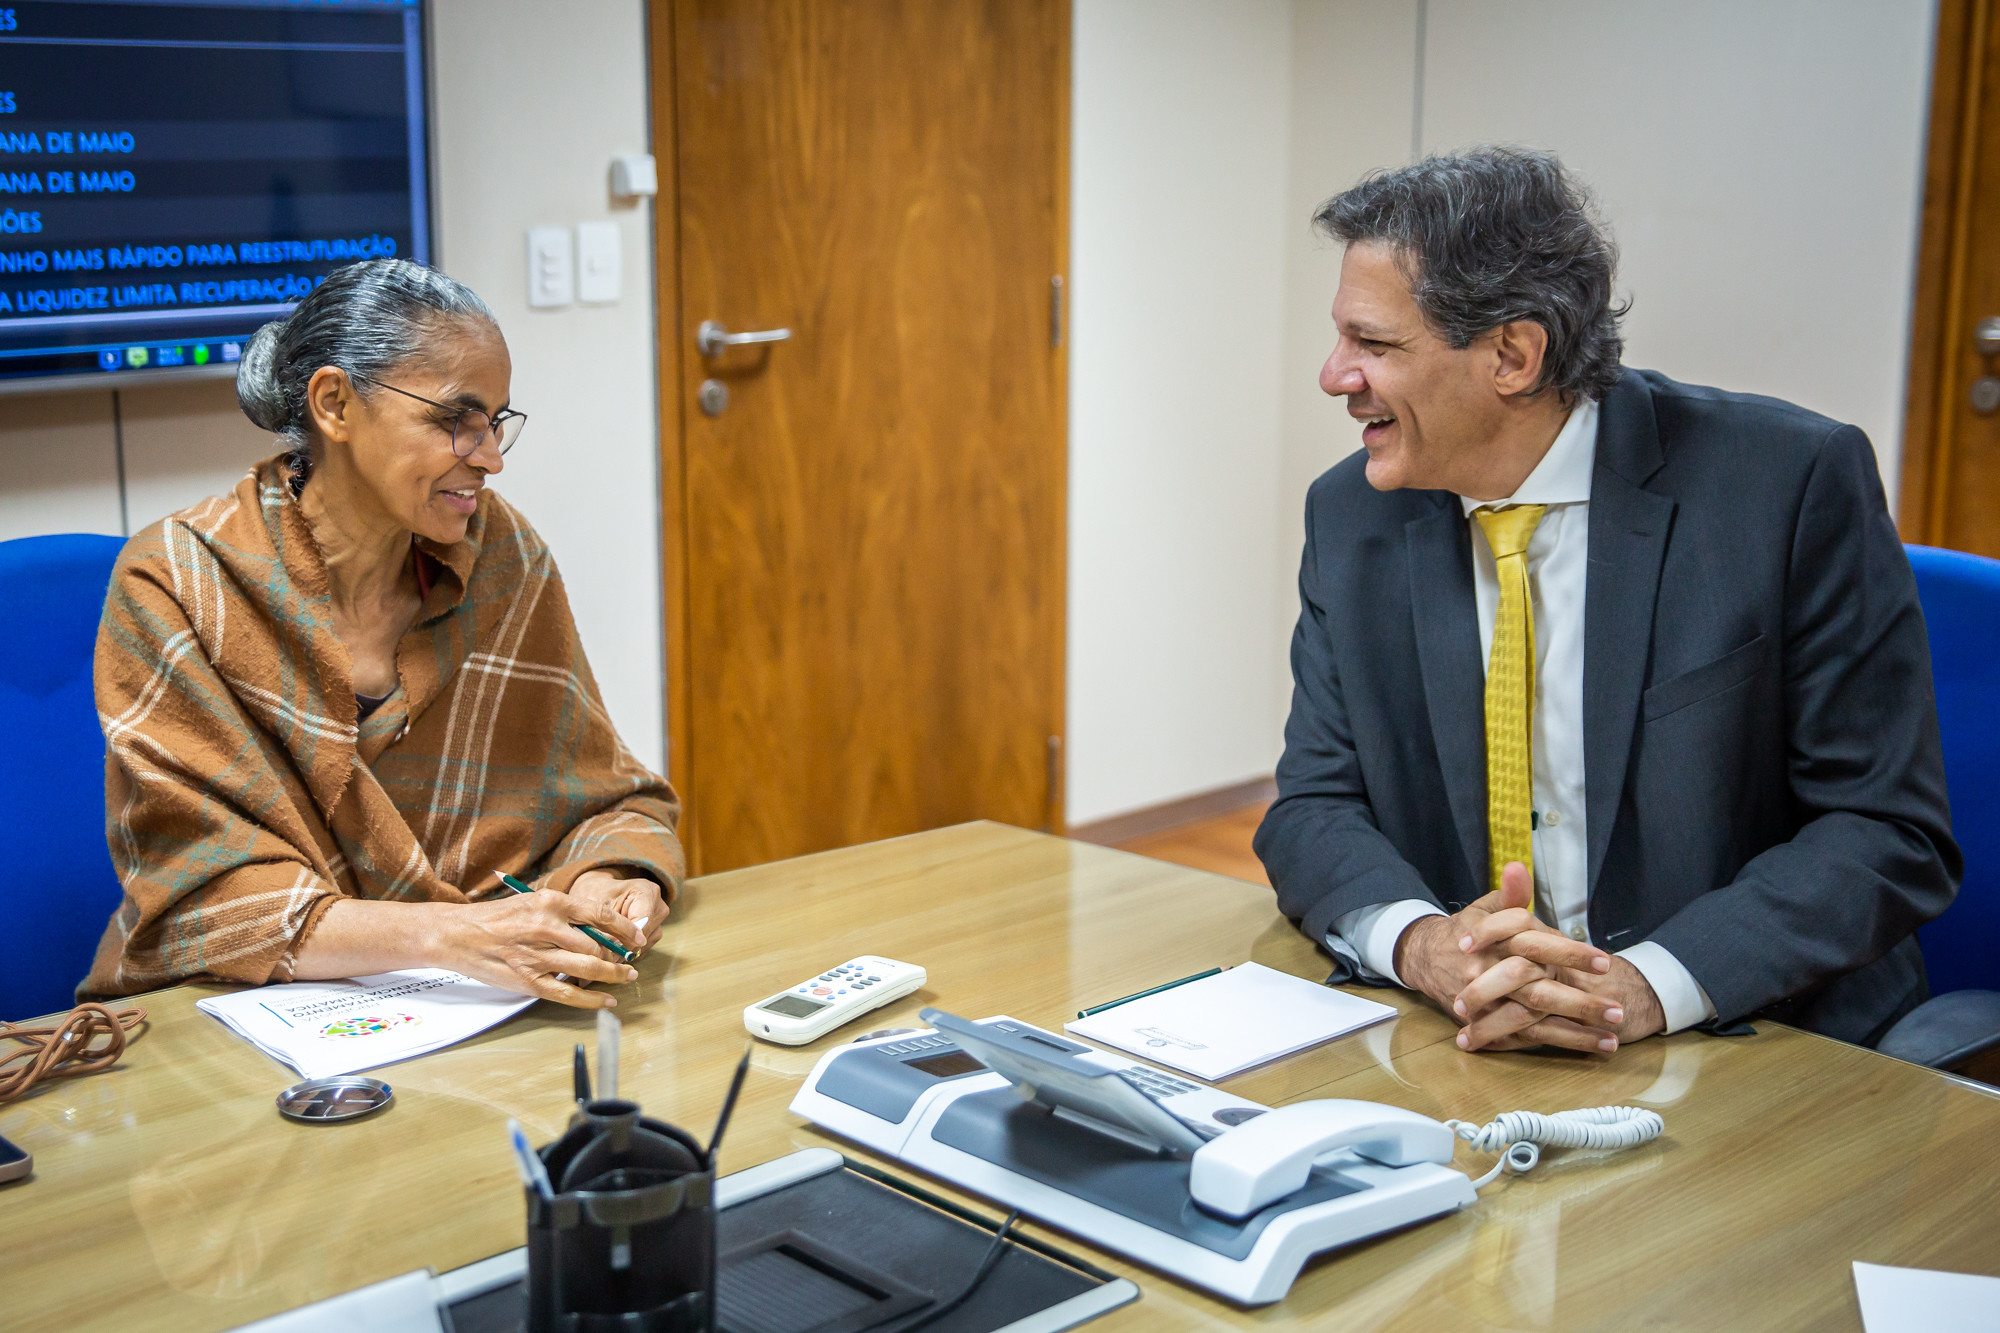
[1354,69]
[58,465]
[534,147]
[1759,163]
[1178,224]
[184,443]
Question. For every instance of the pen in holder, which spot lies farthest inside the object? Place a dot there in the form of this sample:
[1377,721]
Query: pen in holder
[621,1213]
[624,1237]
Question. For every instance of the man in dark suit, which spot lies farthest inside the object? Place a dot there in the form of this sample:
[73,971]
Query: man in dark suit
[1612,708]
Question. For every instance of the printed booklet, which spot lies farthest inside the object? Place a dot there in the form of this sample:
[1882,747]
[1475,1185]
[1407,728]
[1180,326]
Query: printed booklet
[323,1028]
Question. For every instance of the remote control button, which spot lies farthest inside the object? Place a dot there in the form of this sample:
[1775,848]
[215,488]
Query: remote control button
[822,990]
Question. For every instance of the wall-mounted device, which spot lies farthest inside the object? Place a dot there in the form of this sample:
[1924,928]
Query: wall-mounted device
[173,175]
[634,176]
[1217,1190]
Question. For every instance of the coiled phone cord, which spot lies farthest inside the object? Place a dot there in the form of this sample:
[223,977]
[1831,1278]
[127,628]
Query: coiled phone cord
[1525,1133]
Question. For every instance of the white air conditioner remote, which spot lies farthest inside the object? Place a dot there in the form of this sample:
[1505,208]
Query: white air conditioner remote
[814,1008]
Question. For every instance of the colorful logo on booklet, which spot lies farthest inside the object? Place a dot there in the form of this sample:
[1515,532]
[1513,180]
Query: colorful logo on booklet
[366,1025]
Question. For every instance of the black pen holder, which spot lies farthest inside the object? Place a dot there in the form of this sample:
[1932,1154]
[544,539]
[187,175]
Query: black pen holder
[628,1241]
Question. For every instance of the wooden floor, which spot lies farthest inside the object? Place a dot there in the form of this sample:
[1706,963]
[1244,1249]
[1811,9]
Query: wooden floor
[1220,843]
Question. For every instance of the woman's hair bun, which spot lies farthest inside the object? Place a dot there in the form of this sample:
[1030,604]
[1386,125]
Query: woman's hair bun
[257,387]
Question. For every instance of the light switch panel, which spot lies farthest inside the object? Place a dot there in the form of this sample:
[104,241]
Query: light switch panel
[600,265]
[551,267]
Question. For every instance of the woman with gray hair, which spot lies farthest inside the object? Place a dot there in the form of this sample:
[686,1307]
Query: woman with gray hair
[345,699]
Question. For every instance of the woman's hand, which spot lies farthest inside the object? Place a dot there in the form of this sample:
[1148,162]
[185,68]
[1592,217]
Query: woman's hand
[521,942]
[632,896]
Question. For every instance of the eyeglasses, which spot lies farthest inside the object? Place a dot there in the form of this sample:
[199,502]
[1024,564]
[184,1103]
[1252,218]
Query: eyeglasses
[469,425]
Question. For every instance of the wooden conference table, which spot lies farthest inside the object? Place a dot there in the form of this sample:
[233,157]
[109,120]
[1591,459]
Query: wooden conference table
[169,1194]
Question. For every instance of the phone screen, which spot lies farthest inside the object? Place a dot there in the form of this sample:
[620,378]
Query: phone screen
[14,1162]
[949,1065]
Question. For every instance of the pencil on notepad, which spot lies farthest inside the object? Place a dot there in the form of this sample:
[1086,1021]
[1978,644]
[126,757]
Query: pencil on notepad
[1127,999]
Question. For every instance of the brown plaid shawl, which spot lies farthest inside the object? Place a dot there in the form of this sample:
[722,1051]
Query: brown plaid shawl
[241,796]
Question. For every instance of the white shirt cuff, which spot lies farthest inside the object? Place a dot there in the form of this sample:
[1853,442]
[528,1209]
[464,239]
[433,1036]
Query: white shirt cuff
[1682,999]
[1371,933]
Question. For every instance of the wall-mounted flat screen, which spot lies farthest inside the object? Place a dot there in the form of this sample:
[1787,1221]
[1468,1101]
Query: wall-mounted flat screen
[173,174]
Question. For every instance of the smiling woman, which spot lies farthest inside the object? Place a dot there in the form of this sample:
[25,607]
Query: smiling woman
[341,701]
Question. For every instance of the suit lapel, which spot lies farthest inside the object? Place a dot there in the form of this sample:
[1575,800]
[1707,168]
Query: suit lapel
[1447,625]
[1628,544]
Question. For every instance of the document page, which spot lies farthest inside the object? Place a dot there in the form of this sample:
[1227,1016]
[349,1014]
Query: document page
[1918,1300]
[323,1028]
[1225,1024]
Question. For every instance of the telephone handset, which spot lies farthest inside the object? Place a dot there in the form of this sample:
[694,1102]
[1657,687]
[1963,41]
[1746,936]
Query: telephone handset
[1263,1160]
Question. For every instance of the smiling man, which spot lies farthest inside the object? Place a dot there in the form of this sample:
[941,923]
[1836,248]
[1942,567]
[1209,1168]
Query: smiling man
[1612,710]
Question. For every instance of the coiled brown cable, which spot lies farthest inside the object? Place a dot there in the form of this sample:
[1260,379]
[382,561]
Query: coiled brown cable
[65,1049]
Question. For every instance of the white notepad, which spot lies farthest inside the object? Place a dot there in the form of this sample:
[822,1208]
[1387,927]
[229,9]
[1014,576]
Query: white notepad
[323,1028]
[1230,1022]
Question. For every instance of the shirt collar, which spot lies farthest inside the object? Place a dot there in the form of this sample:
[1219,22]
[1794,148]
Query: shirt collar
[1563,475]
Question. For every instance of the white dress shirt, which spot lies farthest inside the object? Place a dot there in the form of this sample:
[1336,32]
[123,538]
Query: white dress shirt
[1557,557]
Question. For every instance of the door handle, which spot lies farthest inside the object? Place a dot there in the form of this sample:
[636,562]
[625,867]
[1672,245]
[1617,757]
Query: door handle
[712,339]
[1986,336]
[1985,393]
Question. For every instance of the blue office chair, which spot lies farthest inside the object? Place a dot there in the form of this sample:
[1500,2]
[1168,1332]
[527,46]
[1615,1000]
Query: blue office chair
[57,888]
[1961,598]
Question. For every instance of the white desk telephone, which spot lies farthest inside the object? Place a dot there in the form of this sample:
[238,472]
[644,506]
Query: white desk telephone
[1268,1158]
[1214,1189]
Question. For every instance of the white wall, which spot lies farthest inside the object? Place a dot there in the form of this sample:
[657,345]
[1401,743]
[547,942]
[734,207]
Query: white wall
[529,114]
[1178,213]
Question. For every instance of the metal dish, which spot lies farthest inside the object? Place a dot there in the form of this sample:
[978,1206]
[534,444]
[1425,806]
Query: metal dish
[345,1098]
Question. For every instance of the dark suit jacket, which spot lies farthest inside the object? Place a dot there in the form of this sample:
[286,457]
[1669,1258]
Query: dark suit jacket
[1765,794]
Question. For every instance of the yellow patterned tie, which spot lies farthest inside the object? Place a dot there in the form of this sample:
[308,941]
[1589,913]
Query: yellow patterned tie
[1510,691]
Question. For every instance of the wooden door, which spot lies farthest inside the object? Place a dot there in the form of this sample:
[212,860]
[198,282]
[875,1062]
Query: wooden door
[870,562]
[1951,439]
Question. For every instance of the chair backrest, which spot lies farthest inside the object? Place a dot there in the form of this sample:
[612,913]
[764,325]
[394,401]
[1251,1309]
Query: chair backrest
[57,888]
[1961,597]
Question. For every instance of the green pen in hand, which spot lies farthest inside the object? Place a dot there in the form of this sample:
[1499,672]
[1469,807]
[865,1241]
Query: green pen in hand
[594,933]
